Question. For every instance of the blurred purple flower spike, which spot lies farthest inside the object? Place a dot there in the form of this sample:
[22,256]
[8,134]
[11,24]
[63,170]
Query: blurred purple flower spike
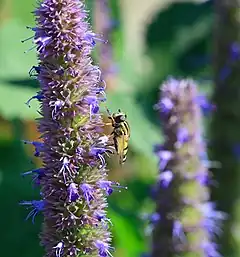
[182,194]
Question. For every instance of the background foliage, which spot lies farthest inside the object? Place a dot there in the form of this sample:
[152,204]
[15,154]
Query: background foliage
[158,39]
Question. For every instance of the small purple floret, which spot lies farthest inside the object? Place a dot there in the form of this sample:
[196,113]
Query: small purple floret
[164,157]
[103,248]
[165,178]
[73,193]
[59,249]
[109,186]
[36,206]
[88,192]
[38,146]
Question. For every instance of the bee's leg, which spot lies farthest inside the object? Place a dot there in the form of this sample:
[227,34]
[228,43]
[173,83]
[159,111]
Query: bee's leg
[108,112]
[108,124]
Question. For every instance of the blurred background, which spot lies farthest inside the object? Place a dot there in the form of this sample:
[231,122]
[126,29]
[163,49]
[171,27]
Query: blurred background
[147,42]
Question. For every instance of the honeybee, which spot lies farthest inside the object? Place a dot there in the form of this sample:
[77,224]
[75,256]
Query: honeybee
[121,133]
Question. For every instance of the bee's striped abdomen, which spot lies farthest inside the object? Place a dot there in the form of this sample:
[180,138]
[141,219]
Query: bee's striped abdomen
[124,157]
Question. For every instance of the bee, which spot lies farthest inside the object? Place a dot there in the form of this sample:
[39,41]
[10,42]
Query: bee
[121,133]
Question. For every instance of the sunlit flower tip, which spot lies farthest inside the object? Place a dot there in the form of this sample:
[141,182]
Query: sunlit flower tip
[165,105]
[178,232]
[103,140]
[73,193]
[38,96]
[38,146]
[205,105]
[103,248]
[164,157]
[88,192]
[109,186]
[154,218]
[36,205]
[165,178]
[182,136]
[210,249]
[59,249]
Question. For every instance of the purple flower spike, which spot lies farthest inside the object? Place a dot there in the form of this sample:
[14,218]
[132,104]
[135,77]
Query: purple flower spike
[73,181]
[187,216]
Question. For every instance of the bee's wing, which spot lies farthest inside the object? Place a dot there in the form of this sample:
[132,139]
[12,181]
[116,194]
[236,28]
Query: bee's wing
[123,148]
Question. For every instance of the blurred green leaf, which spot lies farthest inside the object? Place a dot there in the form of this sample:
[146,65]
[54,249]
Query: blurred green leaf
[14,66]
[126,236]
[12,102]
[19,237]
[14,63]
[189,35]
[24,14]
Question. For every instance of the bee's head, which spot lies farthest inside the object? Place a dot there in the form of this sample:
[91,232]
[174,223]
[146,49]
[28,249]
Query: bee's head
[119,117]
